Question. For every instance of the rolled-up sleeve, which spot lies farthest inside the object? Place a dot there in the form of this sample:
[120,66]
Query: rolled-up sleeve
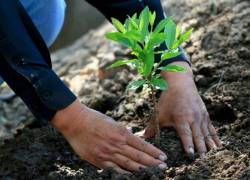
[26,66]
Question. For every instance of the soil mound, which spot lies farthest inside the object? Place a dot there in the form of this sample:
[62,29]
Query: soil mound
[220,53]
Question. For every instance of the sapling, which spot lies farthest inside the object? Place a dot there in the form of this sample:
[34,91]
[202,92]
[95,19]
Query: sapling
[143,37]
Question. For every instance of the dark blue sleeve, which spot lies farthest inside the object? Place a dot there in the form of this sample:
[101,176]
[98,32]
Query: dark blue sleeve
[121,9]
[25,63]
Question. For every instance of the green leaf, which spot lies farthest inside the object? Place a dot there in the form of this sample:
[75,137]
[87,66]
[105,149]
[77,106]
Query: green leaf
[152,17]
[144,21]
[118,25]
[159,83]
[169,55]
[148,63]
[137,48]
[183,38]
[137,64]
[156,39]
[170,31]
[186,35]
[119,63]
[135,35]
[134,16]
[162,25]
[173,68]
[178,32]
[120,38]
[136,84]
[126,25]
[133,24]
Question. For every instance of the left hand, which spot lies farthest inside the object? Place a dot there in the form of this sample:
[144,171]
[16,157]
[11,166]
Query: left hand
[181,107]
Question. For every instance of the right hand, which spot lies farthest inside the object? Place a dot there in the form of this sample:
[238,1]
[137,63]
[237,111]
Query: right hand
[103,142]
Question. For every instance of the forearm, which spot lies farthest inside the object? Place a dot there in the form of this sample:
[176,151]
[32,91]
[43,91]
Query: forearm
[25,64]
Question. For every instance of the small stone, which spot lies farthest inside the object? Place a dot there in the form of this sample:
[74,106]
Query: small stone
[243,52]
[201,80]
[129,107]
[206,69]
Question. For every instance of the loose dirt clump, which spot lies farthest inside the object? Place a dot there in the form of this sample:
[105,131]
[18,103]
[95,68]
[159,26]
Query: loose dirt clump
[220,53]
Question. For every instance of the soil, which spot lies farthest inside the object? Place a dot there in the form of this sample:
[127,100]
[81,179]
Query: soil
[220,53]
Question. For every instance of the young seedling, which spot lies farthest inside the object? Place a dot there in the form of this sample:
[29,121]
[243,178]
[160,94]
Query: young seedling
[143,37]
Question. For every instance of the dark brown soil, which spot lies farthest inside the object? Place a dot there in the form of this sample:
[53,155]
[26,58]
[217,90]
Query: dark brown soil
[220,54]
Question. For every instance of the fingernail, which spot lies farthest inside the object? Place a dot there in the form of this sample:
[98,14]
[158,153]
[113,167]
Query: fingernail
[163,157]
[191,150]
[163,166]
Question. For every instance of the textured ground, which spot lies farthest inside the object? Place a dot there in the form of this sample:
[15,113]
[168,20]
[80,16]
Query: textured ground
[220,54]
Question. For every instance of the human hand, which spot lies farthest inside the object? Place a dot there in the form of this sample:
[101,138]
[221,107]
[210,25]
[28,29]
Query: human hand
[103,142]
[181,107]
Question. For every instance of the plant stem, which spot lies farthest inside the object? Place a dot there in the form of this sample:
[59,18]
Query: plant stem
[154,116]
[214,7]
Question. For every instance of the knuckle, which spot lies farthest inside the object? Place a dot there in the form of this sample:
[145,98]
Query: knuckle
[193,122]
[128,163]
[139,158]
[180,115]
[185,132]
[196,114]
[99,155]
[199,138]
[197,121]
[102,156]
[201,146]
[123,132]
[192,113]
[144,146]
[103,152]
[115,158]
[107,149]
[116,144]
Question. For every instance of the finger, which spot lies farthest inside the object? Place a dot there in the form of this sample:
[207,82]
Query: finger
[150,131]
[127,163]
[185,133]
[141,157]
[108,164]
[143,146]
[198,138]
[208,138]
[214,134]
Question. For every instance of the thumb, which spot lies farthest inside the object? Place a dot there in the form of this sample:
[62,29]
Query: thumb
[149,131]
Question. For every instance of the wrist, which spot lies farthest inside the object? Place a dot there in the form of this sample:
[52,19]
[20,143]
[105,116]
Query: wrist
[67,119]
[175,78]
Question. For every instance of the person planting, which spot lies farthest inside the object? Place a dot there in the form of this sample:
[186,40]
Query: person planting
[29,27]
[135,35]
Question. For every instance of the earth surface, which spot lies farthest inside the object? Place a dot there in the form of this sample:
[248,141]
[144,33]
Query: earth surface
[220,53]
